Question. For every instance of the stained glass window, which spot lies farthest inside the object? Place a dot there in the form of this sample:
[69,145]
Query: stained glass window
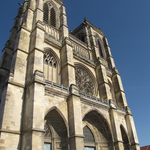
[89,138]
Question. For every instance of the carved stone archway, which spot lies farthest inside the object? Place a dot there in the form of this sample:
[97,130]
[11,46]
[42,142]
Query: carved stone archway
[101,128]
[56,131]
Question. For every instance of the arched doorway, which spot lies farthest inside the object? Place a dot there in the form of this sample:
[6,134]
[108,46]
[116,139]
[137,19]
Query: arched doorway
[56,136]
[100,127]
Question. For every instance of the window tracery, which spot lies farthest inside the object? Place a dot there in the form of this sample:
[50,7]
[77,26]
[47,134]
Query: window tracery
[51,66]
[49,15]
[47,131]
[49,59]
[84,81]
[89,138]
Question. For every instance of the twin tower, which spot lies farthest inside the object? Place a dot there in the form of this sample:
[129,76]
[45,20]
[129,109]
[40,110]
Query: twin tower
[61,90]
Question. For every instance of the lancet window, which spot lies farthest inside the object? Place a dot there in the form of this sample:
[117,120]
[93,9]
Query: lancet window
[100,49]
[53,17]
[49,15]
[45,15]
[89,138]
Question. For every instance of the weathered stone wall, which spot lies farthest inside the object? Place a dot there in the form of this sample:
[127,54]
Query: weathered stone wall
[30,100]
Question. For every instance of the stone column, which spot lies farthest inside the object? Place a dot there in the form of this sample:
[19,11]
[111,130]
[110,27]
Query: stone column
[68,72]
[75,120]
[33,119]
[115,127]
[63,23]
[102,81]
[87,37]
[93,43]
[119,91]
[132,130]
[110,58]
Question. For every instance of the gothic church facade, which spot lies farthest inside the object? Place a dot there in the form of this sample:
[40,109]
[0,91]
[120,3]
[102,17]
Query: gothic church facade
[61,90]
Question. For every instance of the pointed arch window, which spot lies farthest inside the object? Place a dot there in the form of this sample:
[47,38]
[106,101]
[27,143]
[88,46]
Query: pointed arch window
[45,15]
[49,14]
[53,17]
[89,138]
[49,59]
[51,67]
[100,49]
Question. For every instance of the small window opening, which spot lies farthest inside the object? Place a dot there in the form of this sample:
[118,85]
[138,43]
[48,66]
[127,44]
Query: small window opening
[53,18]
[100,49]
[45,16]
[46,61]
[54,65]
[50,63]
[82,38]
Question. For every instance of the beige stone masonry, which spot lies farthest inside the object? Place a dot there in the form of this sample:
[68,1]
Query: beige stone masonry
[116,129]
[132,130]
[75,120]
[68,76]
[119,91]
[102,81]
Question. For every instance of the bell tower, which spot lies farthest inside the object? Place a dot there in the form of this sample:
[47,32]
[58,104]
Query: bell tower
[61,90]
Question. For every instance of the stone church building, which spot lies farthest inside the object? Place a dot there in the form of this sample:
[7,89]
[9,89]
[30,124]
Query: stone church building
[61,90]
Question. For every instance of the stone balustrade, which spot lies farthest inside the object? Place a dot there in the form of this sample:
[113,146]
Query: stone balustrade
[81,48]
[52,31]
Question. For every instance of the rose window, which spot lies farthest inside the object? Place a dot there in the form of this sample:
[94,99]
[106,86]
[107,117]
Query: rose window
[84,81]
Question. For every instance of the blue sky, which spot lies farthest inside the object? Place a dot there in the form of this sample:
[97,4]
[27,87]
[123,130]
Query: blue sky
[126,24]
